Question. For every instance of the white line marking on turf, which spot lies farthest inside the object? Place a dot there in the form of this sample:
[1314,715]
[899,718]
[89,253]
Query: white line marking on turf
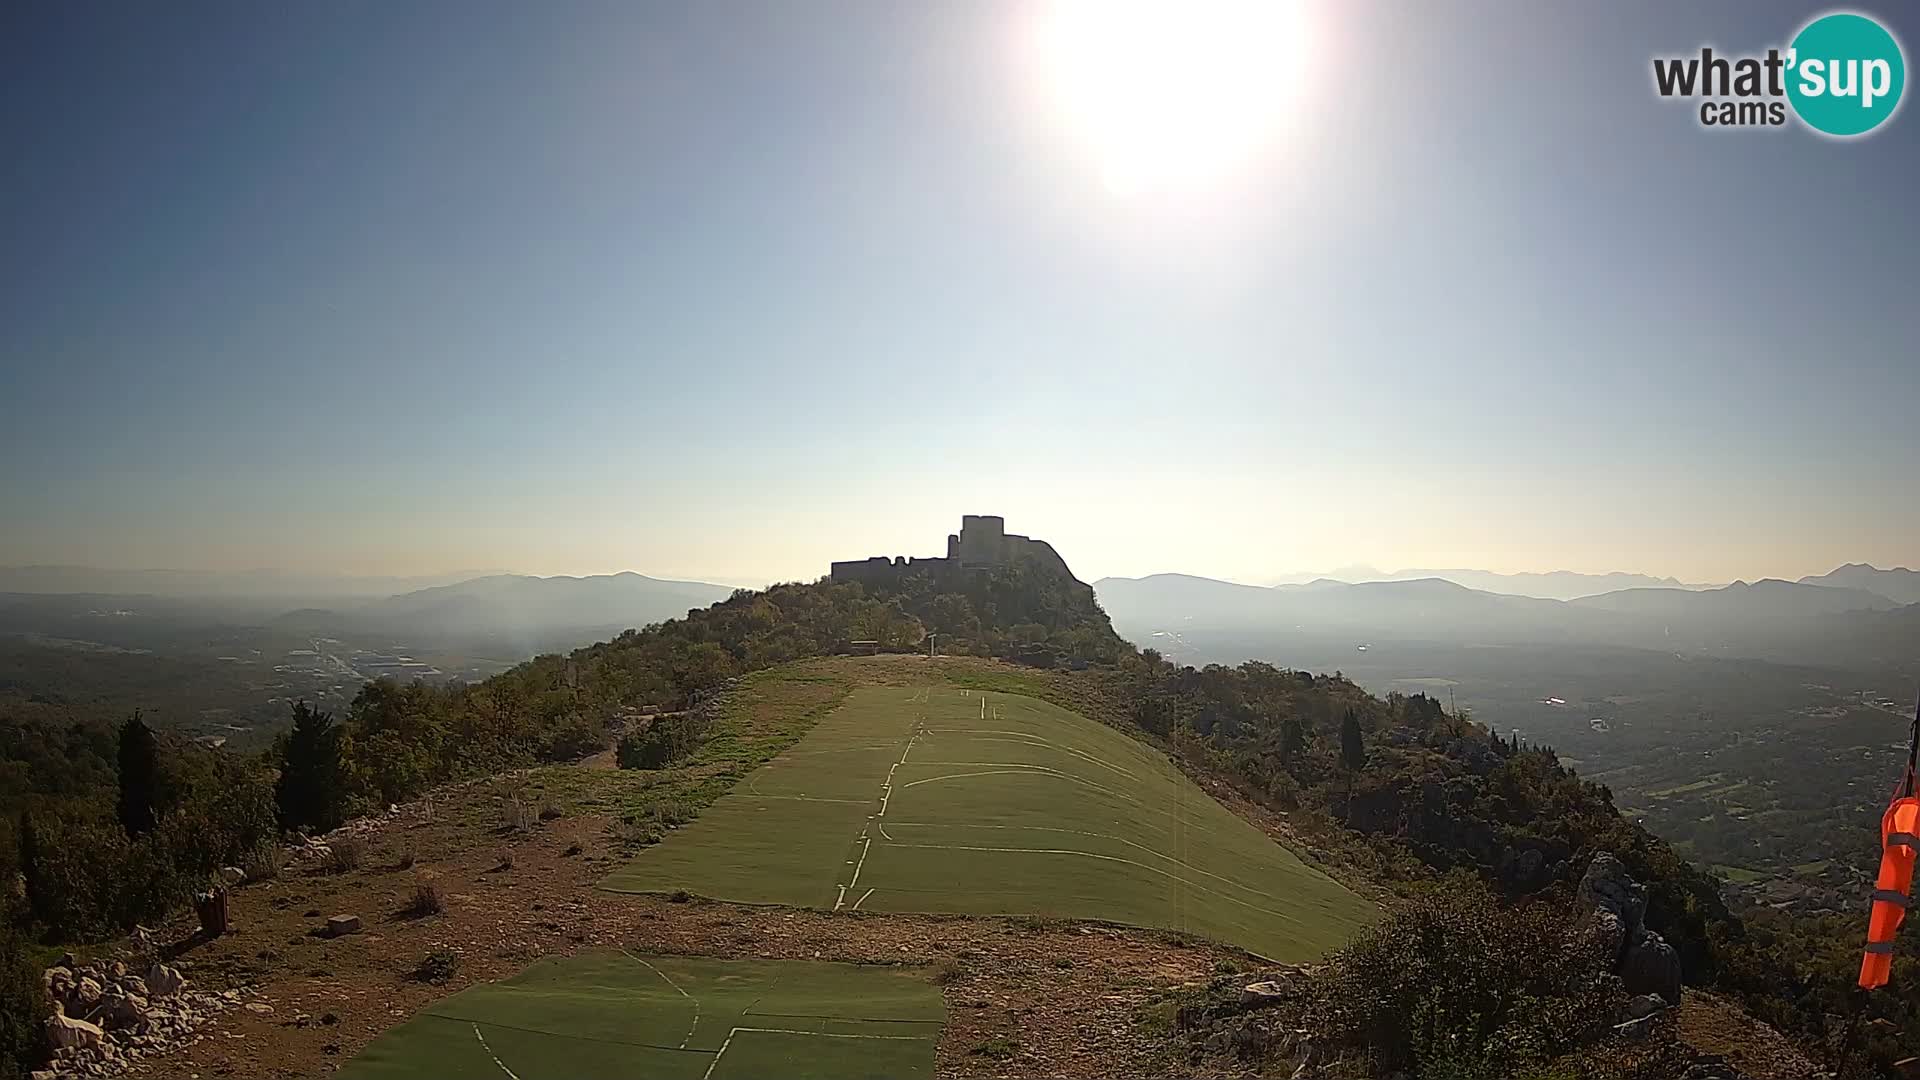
[862,900]
[861,864]
[676,986]
[1034,740]
[886,795]
[1016,767]
[491,1054]
[728,1041]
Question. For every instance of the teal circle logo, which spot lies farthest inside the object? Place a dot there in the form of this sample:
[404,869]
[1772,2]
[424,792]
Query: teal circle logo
[1845,74]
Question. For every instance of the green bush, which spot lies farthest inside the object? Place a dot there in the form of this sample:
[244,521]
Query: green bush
[664,741]
[573,736]
[1454,985]
[437,968]
[23,1002]
[89,880]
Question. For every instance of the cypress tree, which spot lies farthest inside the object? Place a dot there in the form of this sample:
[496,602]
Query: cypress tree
[311,792]
[139,776]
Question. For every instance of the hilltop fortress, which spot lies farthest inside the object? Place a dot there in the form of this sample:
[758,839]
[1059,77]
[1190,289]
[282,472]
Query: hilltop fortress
[982,542]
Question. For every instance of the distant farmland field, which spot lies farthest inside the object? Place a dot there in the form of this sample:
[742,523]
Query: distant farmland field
[949,800]
[611,1014]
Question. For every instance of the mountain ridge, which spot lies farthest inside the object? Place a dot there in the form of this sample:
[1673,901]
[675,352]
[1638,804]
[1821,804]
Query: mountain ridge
[1898,583]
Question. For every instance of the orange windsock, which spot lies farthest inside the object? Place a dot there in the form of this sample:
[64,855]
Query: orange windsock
[1892,891]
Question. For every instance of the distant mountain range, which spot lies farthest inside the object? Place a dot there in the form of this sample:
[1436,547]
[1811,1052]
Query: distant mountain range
[506,614]
[1770,599]
[1763,618]
[1551,585]
[520,607]
[1899,584]
[203,584]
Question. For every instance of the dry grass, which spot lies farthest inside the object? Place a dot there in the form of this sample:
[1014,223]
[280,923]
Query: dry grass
[345,855]
[427,899]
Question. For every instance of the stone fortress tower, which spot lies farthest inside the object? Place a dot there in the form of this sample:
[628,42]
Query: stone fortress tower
[982,542]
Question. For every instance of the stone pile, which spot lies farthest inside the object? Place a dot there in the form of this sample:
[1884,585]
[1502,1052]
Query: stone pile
[106,1015]
[1238,1016]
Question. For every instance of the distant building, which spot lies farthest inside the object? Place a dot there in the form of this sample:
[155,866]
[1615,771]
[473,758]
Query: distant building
[982,542]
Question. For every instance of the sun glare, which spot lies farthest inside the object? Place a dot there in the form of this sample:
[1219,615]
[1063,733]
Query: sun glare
[1172,94]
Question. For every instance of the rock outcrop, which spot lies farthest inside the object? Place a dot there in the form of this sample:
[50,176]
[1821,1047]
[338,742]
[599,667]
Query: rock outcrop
[1618,904]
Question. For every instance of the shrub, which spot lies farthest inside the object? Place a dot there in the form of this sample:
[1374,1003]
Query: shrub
[669,813]
[571,737]
[344,855]
[87,879]
[1454,985]
[638,832]
[999,1048]
[23,1001]
[426,899]
[438,967]
[264,861]
[661,743]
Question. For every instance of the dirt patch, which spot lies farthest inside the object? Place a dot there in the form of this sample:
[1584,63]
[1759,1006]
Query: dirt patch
[1714,1025]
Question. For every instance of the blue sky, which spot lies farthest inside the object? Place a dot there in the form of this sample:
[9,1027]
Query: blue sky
[729,290]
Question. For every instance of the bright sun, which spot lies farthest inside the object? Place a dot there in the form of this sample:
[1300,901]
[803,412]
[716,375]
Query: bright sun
[1172,94]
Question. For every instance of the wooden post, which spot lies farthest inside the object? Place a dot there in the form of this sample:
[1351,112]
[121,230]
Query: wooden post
[211,907]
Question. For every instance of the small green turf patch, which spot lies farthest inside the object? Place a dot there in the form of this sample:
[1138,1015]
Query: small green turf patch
[612,1014]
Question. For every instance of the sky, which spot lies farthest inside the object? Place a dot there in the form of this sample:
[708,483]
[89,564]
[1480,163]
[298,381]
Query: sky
[729,290]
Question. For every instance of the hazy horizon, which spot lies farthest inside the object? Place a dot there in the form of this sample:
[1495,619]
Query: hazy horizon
[724,293]
[1350,572]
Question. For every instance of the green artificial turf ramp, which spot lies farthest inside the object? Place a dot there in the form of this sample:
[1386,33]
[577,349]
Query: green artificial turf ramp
[949,800]
[619,1014]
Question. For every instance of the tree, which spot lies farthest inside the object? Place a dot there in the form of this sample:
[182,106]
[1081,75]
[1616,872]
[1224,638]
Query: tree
[1353,752]
[1293,738]
[311,793]
[139,776]
[30,865]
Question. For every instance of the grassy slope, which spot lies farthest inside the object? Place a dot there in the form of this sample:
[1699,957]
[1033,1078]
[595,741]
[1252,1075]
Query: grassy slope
[1002,805]
[620,1014]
